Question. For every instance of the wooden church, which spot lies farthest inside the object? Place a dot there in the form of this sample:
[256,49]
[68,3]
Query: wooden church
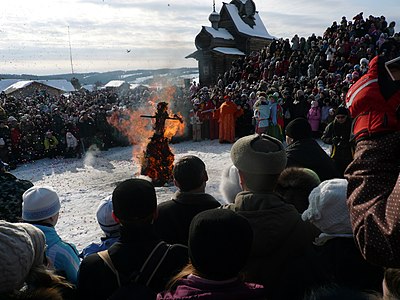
[236,31]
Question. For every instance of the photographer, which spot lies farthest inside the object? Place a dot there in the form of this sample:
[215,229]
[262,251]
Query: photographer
[337,134]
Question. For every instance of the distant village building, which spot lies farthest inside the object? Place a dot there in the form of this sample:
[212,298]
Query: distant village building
[88,87]
[236,31]
[26,88]
[117,86]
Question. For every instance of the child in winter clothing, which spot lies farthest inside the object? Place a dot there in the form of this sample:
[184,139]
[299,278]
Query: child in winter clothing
[41,207]
[109,226]
[314,118]
[335,246]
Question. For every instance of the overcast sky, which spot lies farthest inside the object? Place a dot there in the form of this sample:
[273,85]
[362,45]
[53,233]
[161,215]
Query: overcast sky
[158,33]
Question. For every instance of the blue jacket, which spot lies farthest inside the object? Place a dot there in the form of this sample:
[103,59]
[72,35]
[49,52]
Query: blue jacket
[63,255]
[97,247]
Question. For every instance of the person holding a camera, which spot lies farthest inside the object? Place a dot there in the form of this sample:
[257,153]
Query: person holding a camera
[337,134]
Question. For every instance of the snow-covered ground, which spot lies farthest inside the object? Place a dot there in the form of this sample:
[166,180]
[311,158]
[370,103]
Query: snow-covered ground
[82,183]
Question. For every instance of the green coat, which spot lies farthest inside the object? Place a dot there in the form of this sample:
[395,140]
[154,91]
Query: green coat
[282,257]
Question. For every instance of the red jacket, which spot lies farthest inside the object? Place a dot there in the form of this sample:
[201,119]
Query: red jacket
[372,112]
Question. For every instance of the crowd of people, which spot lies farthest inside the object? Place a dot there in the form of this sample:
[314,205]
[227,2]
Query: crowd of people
[68,125]
[296,223]
[306,78]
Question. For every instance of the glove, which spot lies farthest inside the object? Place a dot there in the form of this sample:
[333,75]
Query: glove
[372,113]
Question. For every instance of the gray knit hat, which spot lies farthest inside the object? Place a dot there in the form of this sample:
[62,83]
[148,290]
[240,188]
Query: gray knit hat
[22,246]
[259,155]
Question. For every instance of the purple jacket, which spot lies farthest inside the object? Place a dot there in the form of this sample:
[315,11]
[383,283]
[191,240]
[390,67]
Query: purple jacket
[314,118]
[194,287]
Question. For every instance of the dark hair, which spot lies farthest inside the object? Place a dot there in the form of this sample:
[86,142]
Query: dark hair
[295,185]
[189,172]
[392,281]
[43,283]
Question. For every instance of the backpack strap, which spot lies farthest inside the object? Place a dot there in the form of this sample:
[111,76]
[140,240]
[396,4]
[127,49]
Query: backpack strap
[105,256]
[149,267]
[152,263]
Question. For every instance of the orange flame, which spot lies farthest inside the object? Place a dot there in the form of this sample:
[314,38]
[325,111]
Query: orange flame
[139,130]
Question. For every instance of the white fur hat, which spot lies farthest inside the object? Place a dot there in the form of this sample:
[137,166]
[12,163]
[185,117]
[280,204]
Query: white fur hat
[105,218]
[230,184]
[39,203]
[327,208]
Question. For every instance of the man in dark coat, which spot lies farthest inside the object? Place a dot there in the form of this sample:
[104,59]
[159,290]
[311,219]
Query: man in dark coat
[303,151]
[134,207]
[175,215]
[87,129]
[11,189]
[282,258]
[337,134]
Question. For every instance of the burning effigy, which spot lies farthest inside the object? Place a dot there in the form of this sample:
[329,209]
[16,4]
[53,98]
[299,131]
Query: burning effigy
[158,159]
[150,133]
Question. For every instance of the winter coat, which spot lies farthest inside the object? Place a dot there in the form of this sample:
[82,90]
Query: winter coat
[262,114]
[194,287]
[15,137]
[87,127]
[338,135]
[72,142]
[11,189]
[282,258]
[373,199]
[299,108]
[64,256]
[314,118]
[5,137]
[325,113]
[106,242]
[97,281]
[175,215]
[306,153]
[228,112]
[50,143]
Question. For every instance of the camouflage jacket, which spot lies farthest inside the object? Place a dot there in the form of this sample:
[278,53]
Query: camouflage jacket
[11,196]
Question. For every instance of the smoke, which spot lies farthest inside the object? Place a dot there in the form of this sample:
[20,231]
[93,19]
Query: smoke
[91,155]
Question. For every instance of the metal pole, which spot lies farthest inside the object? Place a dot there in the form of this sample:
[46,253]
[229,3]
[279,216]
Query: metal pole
[70,52]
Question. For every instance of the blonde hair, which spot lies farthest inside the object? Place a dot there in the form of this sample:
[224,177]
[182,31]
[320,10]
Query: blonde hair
[43,283]
[187,270]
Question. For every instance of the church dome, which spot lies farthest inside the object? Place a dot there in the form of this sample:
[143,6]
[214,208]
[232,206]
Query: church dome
[214,17]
